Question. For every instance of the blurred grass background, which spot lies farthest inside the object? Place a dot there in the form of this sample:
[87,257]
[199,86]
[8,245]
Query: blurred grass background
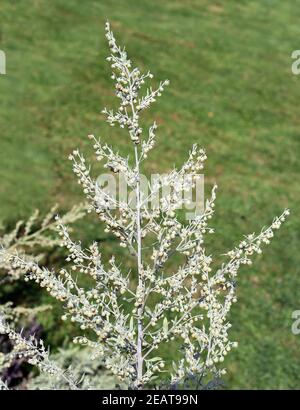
[231,91]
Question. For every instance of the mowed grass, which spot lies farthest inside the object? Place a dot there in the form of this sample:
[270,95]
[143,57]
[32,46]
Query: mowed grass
[231,90]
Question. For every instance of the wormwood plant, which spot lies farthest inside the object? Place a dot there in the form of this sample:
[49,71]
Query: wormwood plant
[128,315]
[37,235]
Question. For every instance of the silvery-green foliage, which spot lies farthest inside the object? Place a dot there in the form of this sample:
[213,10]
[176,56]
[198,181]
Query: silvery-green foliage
[15,315]
[12,318]
[33,352]
[89,373]
[192,302]
[36,232]
[67,369]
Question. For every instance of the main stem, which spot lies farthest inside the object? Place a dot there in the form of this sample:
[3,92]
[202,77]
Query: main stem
[140,280]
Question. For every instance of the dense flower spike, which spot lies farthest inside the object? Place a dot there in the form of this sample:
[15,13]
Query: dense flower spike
[128,315]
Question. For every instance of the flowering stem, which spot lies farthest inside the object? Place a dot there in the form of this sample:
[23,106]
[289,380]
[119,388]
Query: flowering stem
[140,280]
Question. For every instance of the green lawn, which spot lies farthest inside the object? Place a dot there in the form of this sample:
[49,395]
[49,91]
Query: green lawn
[231,90]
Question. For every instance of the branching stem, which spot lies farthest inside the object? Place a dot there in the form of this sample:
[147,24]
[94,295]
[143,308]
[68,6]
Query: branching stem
[140,279]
